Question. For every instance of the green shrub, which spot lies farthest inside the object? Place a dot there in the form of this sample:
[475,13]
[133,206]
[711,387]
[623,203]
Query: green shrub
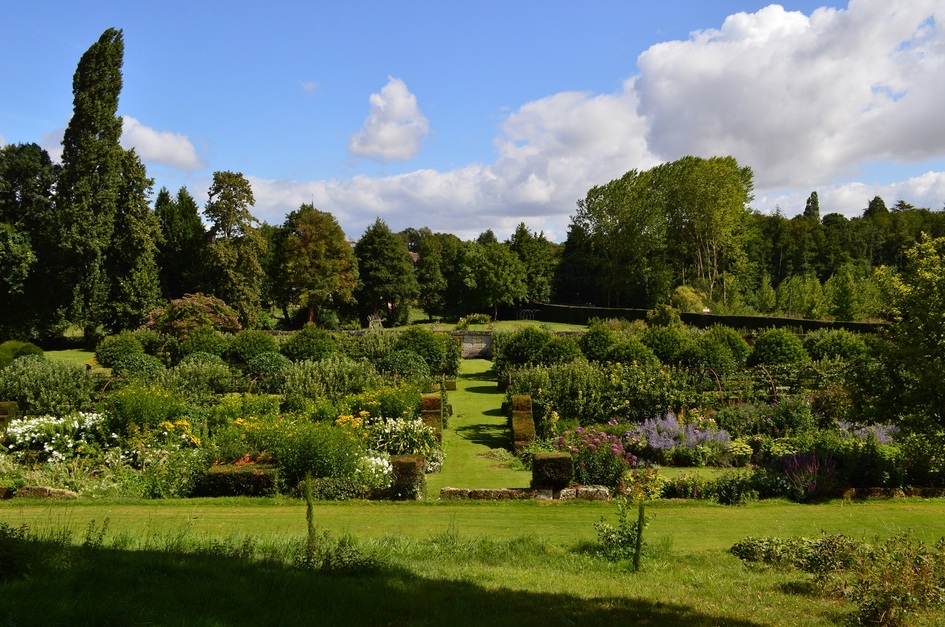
[200,376]
[116,347]
[161,345]
[268,370]
[138,367]
[141,407]
[596,343]
[744,419]
[552,470]
[402,400]
[688,485]
[404,363]
[237,480]
[408,481]
[776,347]
[205,340]
[835,344]
[338,489]
[302,447]
[310,343]
[370,346]
[514,349]
[669,343]
[330,379]
[631,350]
[736,487]
[791,415]
[171,473]
[439,350]
[560,349]
[733,339]
[11,349]
[41,386]
[720,348]
[183,316]
[248,344]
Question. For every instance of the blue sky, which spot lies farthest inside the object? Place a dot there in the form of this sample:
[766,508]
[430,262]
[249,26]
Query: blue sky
[475,115]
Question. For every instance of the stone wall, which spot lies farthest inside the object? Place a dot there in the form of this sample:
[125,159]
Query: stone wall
[475,344]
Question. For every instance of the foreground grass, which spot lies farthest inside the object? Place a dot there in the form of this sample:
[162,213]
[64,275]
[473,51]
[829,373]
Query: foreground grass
[232,561]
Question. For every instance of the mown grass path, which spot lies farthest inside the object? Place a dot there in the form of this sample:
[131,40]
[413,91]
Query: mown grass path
[476,426]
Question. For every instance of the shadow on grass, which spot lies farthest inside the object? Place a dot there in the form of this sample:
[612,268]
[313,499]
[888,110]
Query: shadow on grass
[493,436]
[482,389]
[98,586]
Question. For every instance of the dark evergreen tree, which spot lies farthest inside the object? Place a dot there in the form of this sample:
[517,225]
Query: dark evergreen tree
[539,258]
[131,258]
[183,243]
[234,253]
[430,280]
[387,281]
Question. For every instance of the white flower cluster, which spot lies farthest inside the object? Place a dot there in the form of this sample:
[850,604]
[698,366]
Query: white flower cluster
[399,436]
[55,438]
[375,471]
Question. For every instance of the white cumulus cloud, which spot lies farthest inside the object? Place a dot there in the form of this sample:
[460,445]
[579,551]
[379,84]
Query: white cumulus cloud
[395,126]
[802,99]
[171,149]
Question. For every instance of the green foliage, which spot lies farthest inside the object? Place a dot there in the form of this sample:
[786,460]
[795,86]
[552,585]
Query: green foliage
[115,347]
[235,251]
[182,242]
[309,343]
[199,377]
[320,269]
[387,279]
[439,350]
[332,379]
[630,350]
[41,386]
[625,540]
[248,344]
[90,181]
[268,369]
[164,347]
[560,349]
[139,367]
[183,316]
[890,582]
[369,346]
[142,407]
[734,488]
[597,342]
[206,340]
[514,349]
[834,344]
[670,343]
[777,346]
[404,363]
[237,480]
[11,349]
[552,470]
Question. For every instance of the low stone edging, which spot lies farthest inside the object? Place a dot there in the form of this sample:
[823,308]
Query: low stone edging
[38,492]
[586,493]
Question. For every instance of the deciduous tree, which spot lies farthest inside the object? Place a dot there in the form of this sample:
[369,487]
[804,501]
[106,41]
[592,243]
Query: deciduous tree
[387,283]
[320,266]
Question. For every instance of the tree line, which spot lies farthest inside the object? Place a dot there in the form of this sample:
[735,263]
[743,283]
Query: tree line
[81,244]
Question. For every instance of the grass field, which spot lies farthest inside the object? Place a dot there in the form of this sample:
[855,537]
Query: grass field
[230,562]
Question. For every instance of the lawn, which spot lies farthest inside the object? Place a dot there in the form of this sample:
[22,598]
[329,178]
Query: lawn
[229,562]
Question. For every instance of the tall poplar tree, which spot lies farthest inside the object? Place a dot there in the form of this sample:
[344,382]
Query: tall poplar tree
[89,184]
